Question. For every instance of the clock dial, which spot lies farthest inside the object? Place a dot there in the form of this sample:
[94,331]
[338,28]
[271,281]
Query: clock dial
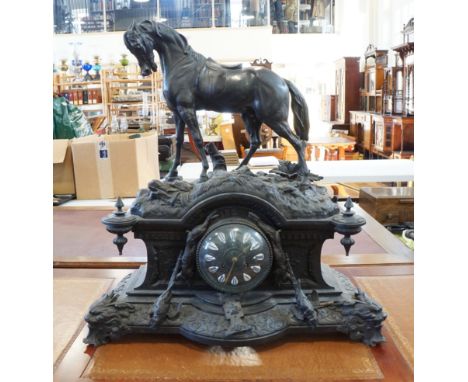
[234,256]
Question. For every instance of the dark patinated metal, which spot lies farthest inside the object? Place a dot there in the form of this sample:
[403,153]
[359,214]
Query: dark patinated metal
[193,82]
[202,279]
[119,223]
[169,294]
[348,224]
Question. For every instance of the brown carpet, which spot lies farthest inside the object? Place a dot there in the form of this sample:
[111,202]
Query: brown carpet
[72,298]
[81,233]
[396,295]
[180,360]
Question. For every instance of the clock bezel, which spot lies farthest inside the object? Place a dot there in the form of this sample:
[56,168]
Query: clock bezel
[245,287]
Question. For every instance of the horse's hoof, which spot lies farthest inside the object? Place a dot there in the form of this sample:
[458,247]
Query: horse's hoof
[171,177]
[203,178]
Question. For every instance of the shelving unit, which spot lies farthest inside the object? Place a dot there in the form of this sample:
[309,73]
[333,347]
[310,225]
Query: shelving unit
[87,95]
[384,127]
[372,93]
[124,96]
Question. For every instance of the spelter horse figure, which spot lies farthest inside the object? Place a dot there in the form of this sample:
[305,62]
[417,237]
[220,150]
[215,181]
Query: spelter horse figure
[193,82]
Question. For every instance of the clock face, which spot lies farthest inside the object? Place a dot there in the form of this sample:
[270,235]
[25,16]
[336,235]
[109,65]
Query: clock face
[234,257]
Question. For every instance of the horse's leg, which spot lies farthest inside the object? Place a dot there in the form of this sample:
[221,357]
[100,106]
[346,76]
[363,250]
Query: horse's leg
[190,118]
[252,124]
[180,127]
[284,131]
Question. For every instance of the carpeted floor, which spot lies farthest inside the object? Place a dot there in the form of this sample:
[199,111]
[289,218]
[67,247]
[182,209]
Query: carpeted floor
[81,233]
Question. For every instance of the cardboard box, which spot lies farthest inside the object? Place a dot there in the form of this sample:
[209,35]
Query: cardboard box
[114,165]
[64,180]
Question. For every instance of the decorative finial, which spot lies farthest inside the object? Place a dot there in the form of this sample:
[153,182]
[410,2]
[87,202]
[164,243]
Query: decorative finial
[119,205]
[120,241]
[119,223]
[347,242]
[347,223]
[348,205]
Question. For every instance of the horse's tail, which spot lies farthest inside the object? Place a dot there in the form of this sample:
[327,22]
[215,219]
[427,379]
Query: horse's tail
[300,111]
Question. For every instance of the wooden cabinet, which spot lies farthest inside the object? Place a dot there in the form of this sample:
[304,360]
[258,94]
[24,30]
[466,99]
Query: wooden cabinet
[381,127]
[392,134]
[346,88]
[383,135]
[384,128]
[361,130]
[404,126]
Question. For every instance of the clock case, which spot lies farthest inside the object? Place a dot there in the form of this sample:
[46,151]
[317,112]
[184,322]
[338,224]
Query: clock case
[300,294]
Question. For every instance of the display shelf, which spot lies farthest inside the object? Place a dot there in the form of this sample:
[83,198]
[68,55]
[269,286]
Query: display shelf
[87,95]
[125,94]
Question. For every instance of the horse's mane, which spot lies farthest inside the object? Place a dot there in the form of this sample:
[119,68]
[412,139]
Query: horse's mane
[167,35]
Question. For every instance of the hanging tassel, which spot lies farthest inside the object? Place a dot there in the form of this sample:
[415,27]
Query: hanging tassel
[163,302]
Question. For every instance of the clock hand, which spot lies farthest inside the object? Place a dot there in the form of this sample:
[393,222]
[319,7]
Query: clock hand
[234,261]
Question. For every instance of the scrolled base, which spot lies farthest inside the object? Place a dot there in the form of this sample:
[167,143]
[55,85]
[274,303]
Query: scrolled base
[257,317]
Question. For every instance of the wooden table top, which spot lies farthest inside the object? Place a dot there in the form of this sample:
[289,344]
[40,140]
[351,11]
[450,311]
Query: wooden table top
[332,141]
[181,360]
[389,192]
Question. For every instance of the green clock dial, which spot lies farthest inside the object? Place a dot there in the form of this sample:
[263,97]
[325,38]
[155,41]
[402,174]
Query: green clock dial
[234,257]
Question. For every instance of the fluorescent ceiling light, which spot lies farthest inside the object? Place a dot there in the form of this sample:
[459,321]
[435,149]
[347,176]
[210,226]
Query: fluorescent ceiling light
[141,1]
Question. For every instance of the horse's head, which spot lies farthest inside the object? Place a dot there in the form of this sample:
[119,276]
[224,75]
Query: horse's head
[139,41]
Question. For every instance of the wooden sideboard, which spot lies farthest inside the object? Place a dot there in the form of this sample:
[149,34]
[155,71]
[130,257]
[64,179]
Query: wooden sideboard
[382,135]
[392,134]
